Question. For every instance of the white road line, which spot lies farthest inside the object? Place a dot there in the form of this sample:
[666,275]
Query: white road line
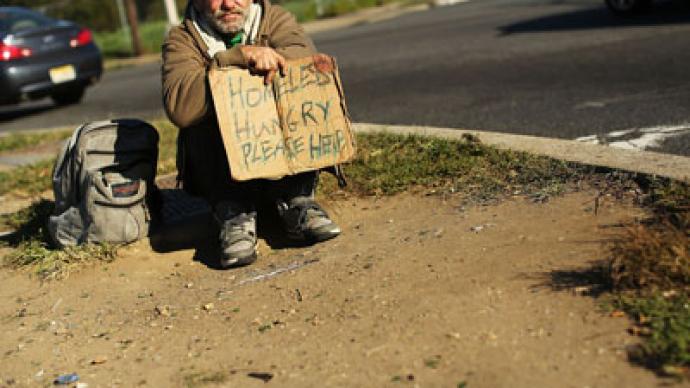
[638,138]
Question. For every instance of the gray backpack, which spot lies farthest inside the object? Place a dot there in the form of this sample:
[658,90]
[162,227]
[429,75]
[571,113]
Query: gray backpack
[103,181]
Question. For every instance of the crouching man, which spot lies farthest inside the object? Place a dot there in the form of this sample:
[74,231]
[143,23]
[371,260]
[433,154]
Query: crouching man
[259,37]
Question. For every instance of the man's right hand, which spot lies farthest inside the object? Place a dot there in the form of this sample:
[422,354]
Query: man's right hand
[264,60]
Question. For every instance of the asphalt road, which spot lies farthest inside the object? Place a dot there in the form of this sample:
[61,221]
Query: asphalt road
[564,69]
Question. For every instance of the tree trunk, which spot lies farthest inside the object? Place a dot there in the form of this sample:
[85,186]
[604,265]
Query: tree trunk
[134,27]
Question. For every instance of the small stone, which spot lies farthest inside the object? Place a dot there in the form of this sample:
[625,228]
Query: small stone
[208,306]
[99,360]
[163,310]
[477,229]
[189,285]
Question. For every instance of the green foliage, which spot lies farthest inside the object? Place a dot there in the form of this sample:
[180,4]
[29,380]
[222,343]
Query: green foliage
[117,44]
[667,324]
[100,15]
[304,10]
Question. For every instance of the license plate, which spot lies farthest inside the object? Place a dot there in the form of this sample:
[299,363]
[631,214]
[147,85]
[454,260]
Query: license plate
[62,74]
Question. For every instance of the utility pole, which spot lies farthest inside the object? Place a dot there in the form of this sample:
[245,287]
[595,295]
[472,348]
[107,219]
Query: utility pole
[171,10]
[134,27]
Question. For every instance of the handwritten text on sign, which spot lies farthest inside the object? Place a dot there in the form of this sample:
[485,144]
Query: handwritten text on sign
[296,124]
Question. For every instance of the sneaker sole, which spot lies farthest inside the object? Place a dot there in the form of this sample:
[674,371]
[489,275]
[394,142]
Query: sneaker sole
[237,261]
[315,236]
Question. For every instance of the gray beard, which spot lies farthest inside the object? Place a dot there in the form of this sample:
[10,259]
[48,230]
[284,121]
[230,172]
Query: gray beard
[223,29]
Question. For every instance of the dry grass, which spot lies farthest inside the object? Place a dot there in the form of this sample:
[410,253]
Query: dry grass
[650,275]
[653,257]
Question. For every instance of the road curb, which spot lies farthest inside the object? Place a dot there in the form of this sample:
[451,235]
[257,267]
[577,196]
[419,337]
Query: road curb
[654,163]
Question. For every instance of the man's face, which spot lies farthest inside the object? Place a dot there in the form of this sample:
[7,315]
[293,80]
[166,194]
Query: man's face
[225,16]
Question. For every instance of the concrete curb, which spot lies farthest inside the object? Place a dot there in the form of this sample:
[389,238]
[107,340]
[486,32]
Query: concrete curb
[654,163]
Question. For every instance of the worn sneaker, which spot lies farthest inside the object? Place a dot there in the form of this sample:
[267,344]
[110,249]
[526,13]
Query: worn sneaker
[305,220]
[237,238]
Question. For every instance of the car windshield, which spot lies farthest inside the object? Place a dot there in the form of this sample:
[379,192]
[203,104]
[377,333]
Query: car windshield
[15,20]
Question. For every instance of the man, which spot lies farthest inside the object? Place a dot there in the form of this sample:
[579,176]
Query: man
[260,37]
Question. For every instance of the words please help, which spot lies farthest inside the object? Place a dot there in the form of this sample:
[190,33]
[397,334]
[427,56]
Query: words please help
[298,123]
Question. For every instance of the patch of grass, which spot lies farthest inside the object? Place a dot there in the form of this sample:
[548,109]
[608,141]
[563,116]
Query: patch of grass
[649,271]
[653,257]
[28,223]
[19,141]
[32,250]
[666,324]
[47,263]
[204,378]
[390,163]
[27,180]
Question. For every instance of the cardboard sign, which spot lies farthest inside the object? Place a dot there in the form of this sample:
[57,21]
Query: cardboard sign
[298,123]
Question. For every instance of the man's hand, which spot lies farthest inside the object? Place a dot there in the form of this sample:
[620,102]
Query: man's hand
[264,60]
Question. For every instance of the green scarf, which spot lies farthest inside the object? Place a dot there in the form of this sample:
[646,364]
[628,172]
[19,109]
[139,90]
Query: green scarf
[236,39]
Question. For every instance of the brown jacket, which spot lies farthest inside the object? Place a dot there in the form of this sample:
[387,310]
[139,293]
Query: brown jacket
[187,98]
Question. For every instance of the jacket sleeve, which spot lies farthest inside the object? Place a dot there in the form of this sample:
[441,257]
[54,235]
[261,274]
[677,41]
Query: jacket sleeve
[287,37]
[186,94]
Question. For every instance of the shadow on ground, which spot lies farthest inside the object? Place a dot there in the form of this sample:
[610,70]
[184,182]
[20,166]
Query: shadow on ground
[661,13]
[589,281]
[187,223]
[11,112]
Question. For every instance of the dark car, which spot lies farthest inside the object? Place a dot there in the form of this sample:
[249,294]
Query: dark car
[40,57]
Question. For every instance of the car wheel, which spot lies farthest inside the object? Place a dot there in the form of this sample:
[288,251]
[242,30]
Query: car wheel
[627,7]
[68,97]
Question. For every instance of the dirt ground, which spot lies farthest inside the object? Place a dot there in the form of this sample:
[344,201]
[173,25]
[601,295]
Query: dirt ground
[417,291]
